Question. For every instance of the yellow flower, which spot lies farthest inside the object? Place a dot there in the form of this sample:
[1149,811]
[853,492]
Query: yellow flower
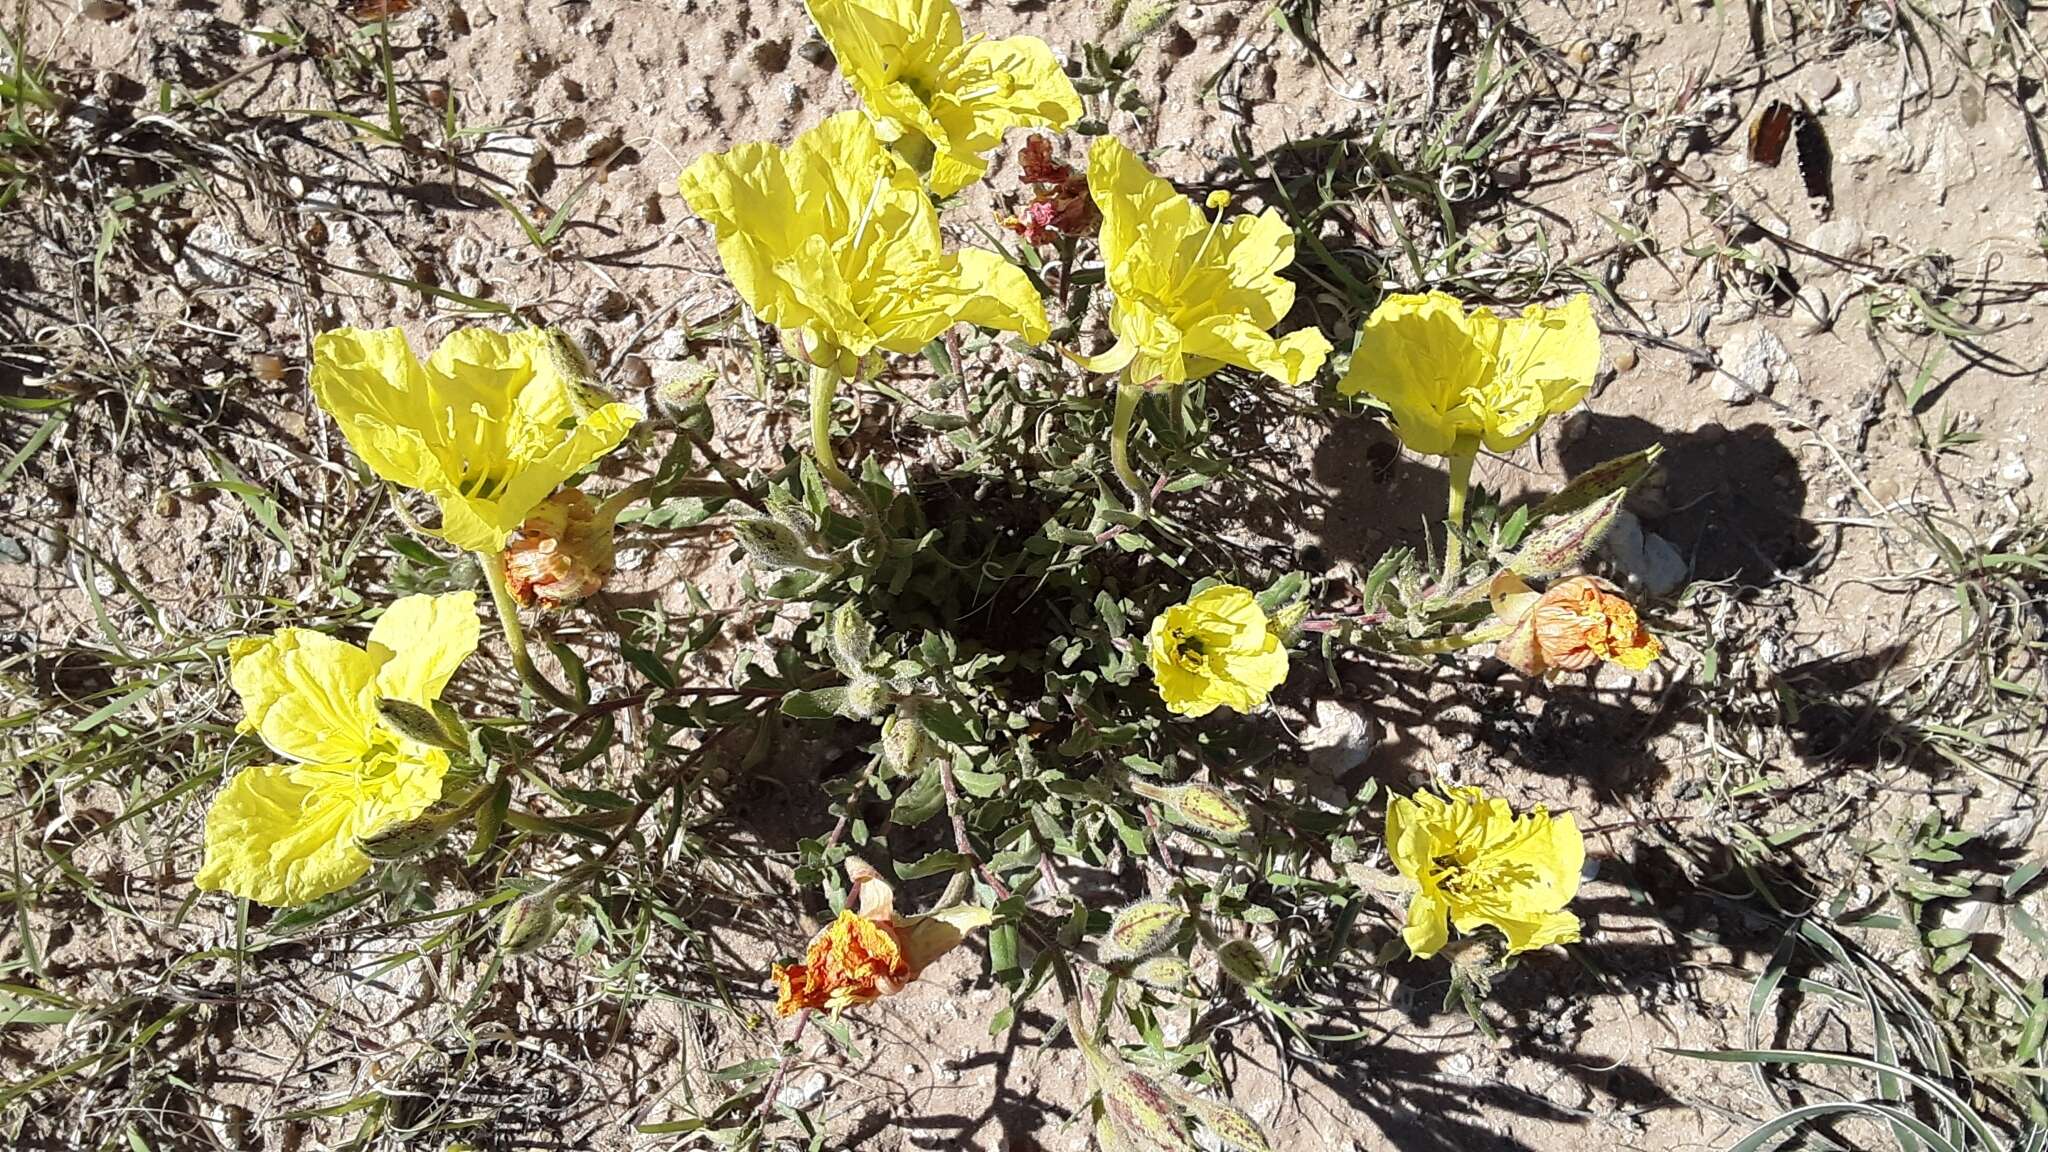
[488,426]
[834,240]
[870,953]
[284,834]
[1570,626]
[1474,862]
[1216,649]
[1191,295]
[941,98]
[1454,379]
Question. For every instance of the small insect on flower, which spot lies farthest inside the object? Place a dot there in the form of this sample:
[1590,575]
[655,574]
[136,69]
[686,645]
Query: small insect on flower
[563,553]
[938,97]
[1191,295]
[1216,650]
[868,951]
[1454,380]
[1475,863]
[285,834]
[835,242]
[488,426]
[1570,627]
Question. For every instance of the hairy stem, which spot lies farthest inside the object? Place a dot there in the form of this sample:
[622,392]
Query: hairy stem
[515,636]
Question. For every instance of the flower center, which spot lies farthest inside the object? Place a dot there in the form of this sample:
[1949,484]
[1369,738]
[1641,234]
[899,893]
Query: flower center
[1189,651]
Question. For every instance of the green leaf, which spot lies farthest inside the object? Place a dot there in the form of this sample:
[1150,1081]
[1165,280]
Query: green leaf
[921,801]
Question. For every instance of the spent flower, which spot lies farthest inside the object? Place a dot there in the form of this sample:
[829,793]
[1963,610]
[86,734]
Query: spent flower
[1570,626]
[1216,650]
[939,97]
[288,833]
[869,951]
[1454,380]
[489,425]
[1474,862]
[834,241]
[1059,204]
[1191,294]
[563,553]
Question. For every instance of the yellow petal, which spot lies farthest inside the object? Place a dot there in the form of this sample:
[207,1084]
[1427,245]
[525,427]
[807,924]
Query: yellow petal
[310,697]
[1001,296]
[986,89]
[1419,355]
[1136,204]
[375,389]
[273,840]
[428,637]
[1540,931]
[1293,359]
[875,41]
[1427,928]
[1552,352]
[929,936]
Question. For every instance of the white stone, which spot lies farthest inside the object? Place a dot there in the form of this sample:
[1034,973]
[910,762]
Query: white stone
[1340,739]
[1753,362]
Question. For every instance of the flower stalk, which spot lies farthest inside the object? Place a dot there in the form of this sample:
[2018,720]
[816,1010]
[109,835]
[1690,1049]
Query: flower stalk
[824,389]
[515,635]
[1461,484]
[1127,397]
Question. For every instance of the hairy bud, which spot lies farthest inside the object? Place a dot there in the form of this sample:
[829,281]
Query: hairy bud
[1141,1112]
[1141,929]
[1228,1123]
[1243,962]
[1165,973]
[852,639]
[773,546]
[529,923]
[1212,810]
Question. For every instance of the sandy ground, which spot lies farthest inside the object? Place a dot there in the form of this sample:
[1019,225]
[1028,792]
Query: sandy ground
[1764,336]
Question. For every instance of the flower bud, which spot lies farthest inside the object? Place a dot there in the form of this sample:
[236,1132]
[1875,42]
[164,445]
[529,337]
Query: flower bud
[1141,929]
[1210,809]
[852,639]
[562,553]
[865,698]
[1560,542]
[409,837]
[1141,1112]
[1165,973]
[904,743]
[528,924]
[1228,1123]
[771,545]
[1243,962]
[436,728]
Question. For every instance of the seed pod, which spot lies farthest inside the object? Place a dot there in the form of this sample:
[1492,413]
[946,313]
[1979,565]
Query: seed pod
[852,640]
[1243,962]
[1141,929]
[1141,1112]
[1210,809]
[1166,973]
[528,924]
[773,546]
[1228,1123]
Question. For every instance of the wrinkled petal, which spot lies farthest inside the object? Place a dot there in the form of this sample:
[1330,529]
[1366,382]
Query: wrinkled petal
[278,842]
[1293,359]
[310,697]
[1552,352]
[284,835]
[1427,928]
[1419,355]
[376,390]
[428,637]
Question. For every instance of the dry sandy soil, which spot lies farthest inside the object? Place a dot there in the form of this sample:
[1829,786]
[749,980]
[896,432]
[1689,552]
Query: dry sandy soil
[1832,378]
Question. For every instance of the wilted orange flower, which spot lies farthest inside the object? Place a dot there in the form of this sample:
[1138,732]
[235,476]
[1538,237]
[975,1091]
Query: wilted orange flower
[1571,626]
[563,552]
[870,953]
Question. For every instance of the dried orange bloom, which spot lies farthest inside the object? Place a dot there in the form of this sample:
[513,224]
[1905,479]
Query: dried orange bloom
[871,952]
[562,552]
[852,962]
[1573,625]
